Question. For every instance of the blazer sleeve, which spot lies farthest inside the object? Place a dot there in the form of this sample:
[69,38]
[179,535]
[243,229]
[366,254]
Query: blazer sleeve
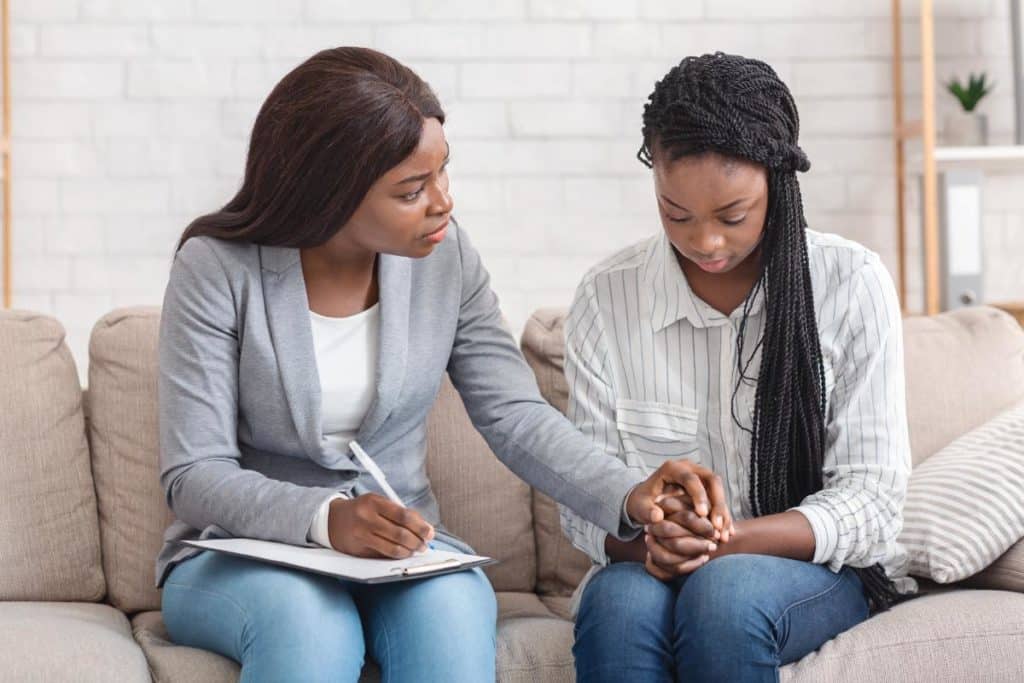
[200,471]
[527,434]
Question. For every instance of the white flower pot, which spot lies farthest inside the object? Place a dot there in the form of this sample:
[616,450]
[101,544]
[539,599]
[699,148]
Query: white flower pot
[965,129]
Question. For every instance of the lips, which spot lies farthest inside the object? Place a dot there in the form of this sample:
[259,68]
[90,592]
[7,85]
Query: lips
[713,266]
[438,233]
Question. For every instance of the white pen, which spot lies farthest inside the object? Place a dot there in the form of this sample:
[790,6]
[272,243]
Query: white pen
[375,471]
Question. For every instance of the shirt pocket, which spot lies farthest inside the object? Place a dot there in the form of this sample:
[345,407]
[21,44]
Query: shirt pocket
[661,430]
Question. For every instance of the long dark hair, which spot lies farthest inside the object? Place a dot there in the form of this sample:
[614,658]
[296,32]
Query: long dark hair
[332,126]
[740,108]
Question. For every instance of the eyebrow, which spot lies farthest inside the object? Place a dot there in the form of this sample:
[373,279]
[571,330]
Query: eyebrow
[730,205]
[424,176]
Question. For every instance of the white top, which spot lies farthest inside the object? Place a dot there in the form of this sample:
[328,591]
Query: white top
[651,371]
[346,359]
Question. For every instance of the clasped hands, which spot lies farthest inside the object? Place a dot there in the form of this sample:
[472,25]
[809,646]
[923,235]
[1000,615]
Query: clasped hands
[683,509]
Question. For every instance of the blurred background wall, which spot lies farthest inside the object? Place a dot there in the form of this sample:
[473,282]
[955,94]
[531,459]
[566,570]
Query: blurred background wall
[131,117]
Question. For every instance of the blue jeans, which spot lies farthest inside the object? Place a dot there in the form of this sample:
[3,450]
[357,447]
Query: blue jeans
[738,619]
[287,625]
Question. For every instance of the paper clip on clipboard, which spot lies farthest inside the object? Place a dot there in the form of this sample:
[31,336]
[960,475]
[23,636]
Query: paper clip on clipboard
[427,567]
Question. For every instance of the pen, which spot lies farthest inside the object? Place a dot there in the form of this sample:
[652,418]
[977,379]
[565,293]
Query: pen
[378,476]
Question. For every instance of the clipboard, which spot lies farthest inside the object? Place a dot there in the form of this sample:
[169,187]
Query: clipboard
[329,562]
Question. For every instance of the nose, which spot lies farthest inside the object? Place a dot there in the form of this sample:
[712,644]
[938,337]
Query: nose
[440,199]
[708,242]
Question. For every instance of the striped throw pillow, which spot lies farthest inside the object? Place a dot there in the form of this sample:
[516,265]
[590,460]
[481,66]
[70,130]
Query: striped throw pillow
[965,504]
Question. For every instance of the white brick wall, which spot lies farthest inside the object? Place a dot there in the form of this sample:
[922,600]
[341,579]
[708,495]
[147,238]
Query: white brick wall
[131,117]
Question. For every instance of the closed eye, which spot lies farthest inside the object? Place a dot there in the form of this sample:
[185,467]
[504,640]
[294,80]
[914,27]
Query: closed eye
[674,219]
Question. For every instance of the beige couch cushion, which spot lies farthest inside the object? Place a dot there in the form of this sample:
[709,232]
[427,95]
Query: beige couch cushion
[125,449]
[947,637]
[962,367]
[49,532]
[560,567]
[172,663]
[81,642]
[534,646]
[481,500]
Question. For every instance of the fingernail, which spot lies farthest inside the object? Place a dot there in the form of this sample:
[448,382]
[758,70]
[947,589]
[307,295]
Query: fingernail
[712,547]
[704,559]
[646,528]
[718,520]
[702,509]
[659,498]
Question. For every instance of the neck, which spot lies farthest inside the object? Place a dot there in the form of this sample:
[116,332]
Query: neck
[340,278]
[338,257]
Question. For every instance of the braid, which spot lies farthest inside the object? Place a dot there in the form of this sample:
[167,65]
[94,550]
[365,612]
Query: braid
[740,108]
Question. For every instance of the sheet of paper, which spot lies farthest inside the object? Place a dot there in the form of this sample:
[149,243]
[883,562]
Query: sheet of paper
[332,563]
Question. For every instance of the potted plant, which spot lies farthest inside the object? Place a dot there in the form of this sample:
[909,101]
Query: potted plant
[967,127]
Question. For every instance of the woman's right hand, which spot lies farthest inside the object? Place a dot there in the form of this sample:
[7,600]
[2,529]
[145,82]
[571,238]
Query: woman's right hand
[374,526]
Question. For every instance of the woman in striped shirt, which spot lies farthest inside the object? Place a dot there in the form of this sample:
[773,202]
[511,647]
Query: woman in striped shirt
[765,352]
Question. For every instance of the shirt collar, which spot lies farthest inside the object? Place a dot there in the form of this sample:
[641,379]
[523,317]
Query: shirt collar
[670,296]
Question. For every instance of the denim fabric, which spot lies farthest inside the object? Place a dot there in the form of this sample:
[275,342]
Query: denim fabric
[737,619]
[287,625]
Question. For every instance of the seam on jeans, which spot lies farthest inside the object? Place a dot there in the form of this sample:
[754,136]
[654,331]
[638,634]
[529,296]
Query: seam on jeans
[796,604]
[386,673]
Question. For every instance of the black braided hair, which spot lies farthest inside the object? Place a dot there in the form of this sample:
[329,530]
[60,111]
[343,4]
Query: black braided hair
[739,108]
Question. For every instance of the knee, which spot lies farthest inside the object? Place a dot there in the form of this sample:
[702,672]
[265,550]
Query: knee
[624,596]
[460,607]
[445,625]
[720,601]
[461,593]
[310,619]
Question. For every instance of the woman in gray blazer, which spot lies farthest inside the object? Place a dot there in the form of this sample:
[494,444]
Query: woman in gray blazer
[343,225]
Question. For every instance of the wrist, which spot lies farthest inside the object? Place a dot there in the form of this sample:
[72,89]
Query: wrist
[336,511]
[735,544]
[629,516]
[625,551]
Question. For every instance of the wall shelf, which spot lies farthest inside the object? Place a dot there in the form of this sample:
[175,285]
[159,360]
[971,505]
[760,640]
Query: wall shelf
[991,158]
[932,159]
[988,158]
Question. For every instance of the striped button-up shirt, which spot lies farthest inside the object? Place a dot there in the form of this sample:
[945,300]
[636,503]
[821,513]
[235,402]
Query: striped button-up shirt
[652,370]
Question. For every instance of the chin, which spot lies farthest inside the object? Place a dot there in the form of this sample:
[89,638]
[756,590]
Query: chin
[420,250]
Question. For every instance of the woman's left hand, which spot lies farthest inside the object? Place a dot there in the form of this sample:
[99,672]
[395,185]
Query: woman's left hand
[673,550]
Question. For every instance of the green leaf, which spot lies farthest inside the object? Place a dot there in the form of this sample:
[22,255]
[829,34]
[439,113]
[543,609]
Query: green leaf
[976,89]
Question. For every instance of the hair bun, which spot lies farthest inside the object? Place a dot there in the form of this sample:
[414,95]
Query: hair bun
[786,157]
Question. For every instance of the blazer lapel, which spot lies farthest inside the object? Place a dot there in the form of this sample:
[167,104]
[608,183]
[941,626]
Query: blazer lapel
[284,291]
[394,273]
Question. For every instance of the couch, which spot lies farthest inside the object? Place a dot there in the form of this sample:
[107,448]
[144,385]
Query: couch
[82,514]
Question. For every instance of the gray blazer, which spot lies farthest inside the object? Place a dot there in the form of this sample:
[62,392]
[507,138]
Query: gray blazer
[241,451]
